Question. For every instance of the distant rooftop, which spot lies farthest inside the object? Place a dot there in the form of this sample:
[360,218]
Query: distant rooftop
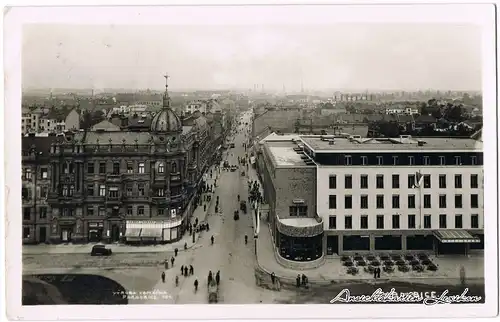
[330,143]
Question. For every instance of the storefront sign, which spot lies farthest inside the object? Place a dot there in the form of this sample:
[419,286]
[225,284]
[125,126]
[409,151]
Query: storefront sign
[96,224]
[66,223]
[298,201]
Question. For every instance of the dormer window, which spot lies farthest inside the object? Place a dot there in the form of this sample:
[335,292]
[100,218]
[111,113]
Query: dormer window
[426,160]
[380,160]
[458,160]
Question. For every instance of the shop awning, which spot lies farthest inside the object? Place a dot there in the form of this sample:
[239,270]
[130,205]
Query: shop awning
[133,232]
[455,236]
[151,233]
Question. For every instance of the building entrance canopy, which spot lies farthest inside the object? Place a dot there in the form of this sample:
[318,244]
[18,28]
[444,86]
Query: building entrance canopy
[300,227]
[133,232]
[455,236]
[152,232]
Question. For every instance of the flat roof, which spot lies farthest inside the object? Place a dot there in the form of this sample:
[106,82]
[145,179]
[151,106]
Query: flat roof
[391,144]
[283,153]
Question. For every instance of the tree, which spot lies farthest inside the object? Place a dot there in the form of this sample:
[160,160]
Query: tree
[454,113]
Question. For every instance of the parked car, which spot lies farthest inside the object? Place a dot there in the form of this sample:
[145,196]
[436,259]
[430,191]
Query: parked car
[100,250]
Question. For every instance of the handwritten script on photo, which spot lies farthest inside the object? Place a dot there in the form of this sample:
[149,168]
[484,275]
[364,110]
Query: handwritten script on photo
[427,298]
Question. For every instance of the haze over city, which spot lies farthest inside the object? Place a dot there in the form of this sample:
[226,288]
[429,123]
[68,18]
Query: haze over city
[335,57]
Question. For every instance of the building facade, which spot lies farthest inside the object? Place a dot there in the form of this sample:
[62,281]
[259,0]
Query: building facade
[123,186]
[36,174]
[373,195]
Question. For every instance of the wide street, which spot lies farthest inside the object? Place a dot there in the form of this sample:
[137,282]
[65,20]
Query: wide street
[229,253]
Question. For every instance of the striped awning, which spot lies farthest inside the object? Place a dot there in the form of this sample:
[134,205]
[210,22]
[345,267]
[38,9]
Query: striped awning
[455,236]
[133,232]
[151,233]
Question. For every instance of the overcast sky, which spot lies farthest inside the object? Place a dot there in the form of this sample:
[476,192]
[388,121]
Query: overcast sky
[358,57]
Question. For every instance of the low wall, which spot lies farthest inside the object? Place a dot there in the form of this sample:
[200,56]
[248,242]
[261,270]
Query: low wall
[299,265]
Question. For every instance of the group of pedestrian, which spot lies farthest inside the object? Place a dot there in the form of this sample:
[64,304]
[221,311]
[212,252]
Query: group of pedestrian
[187,271]
[211,278]
[301,280]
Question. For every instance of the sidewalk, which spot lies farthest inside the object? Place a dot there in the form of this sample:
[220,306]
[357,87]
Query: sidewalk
[333,271]
[123,248]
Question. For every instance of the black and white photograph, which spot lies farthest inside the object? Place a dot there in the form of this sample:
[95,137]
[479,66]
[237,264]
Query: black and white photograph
[159,157]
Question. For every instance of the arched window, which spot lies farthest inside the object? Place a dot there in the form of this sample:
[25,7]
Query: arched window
[174,167]
[161,167]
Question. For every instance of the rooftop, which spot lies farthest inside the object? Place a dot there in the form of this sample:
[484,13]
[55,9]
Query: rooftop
[391,144]
[283,153]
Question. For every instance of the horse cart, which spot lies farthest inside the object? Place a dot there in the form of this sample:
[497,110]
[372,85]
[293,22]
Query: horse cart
[213,292]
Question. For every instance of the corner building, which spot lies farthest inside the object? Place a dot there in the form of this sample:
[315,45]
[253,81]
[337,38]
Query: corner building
[372,195]
[138,187]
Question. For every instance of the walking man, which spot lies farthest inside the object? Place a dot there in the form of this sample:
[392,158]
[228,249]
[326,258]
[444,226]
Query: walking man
[191,270]
[163,277]
[172,260]
[273,277]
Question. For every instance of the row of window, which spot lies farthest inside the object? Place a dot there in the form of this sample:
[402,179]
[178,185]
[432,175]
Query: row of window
[348,203]
[141,167]
[28,174]
[113,192]
[27,193]
[42,213]
[425,160]
[458,224]
[414,181]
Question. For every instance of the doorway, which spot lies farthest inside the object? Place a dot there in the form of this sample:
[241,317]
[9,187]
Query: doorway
[43,234]
[332,245]
[115,233]
[66,235]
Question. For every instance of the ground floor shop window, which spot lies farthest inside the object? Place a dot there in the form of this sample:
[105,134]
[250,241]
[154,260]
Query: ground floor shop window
[478,245]
[300,248]
[388,242]
[332,245]
[419,242]
[356,242]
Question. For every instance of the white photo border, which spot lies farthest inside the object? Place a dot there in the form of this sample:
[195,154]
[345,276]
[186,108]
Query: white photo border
[479,14]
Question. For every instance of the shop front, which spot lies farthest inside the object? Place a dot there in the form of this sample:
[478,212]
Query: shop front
[299,242]
[454,241]
[95,231]
[153,231]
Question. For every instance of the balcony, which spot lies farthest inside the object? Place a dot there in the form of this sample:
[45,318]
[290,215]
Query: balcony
[113,201]
[160,200]
[113,178]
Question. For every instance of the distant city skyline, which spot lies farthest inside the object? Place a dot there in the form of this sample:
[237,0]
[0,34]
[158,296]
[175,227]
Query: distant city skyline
[355,57]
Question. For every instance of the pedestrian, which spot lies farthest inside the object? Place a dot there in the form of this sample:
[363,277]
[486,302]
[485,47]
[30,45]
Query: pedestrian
[375,273]
[212,239]
[303,280]
[208,227]
[163,277]
[297,281]
[172,260]
[210,278]
[194,237]
[186,245]
[378,272]
[185,271]
[196,222]
[191,270]
[182,269]
[176,251]
[204,207]
[217,277]
[273,277]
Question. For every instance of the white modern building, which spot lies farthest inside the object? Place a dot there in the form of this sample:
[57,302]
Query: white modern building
[398,194]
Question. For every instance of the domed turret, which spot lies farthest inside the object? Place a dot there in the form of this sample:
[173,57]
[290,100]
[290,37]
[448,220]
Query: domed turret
[166,121]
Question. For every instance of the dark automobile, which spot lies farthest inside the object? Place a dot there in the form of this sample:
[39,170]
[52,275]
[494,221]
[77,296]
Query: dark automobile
[100,250]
